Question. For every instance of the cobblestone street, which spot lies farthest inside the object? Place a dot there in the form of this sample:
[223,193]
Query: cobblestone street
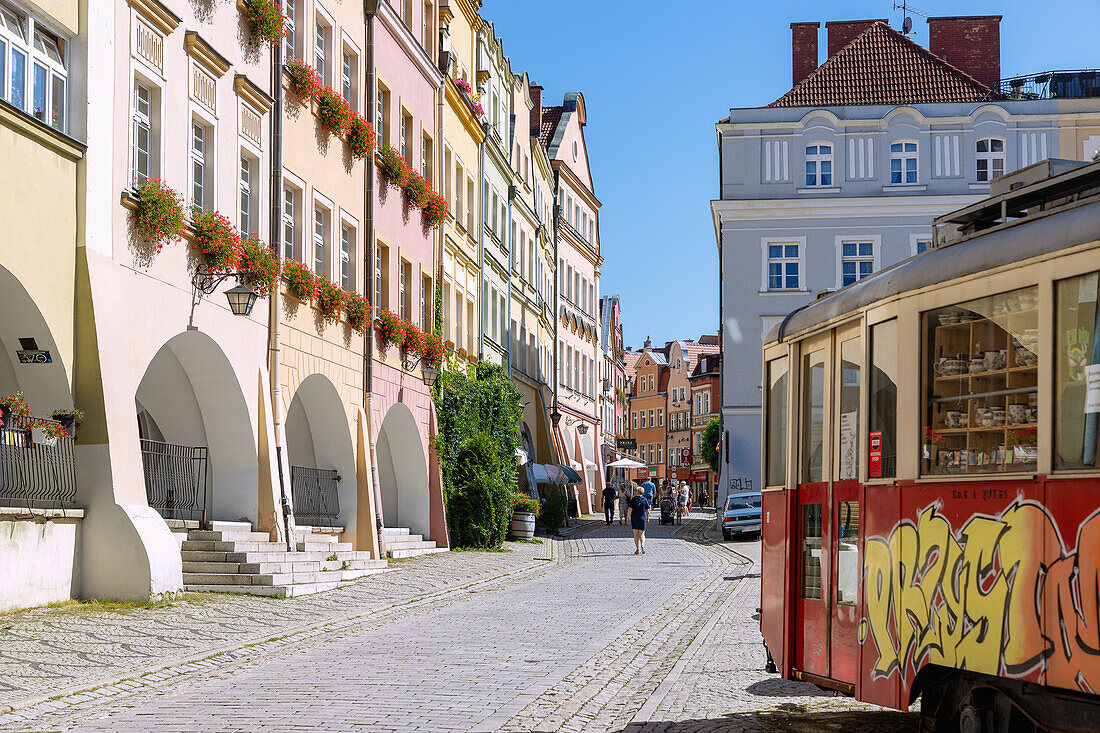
[578,634]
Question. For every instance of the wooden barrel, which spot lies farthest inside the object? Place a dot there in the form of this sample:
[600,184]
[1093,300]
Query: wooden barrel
[523,525]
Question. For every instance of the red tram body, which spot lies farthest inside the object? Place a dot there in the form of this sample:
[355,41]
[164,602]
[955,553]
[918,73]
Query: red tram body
[937,526]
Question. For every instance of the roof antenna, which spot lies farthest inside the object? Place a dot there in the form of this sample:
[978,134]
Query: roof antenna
[907,22]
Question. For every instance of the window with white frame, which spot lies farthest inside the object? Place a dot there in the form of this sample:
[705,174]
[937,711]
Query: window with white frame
[990,160]
[32,59]
[347,257]
[857,261]
[320,240]
[322,33]
[381,277]
[426,28]
[819,165]
[921,244]
[783,266]
[404,138]
[144,154]
[290,41]
[402,289]
[292,198]
[249,194]
[425,302]
[382,114]
[349,70]
[903,163]
[202,189]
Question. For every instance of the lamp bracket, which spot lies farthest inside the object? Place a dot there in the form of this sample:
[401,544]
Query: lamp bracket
[206,281]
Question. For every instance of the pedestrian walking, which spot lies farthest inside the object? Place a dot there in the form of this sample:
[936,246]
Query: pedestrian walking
[639,515]
[609,503]
[624,500]
[648,489]
[682,499]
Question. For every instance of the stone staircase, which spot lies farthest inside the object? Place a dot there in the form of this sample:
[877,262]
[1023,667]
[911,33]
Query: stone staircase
[400,543]
[231,558]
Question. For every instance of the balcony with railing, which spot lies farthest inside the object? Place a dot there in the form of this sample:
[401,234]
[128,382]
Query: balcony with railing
[316,495]
[36,470]
[175,479]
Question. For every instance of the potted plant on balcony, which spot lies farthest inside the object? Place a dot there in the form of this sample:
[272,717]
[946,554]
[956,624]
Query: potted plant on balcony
[358,309]
[158,216]
[266,19]
[330,300]
[524,511]
[68,419]
[393,166]
[390,328]
[47,432]
[300,282]
[217,243]
[304,80]
[13,404]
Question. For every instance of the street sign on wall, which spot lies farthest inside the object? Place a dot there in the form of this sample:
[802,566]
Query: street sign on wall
[34,356]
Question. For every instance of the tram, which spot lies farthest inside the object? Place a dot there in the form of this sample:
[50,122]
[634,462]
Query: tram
[931,461]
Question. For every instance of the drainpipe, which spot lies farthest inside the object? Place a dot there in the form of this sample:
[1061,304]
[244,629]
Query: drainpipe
[370,10]
[482,310]
[557,294]
[511,255]
[444,62]
[273,320]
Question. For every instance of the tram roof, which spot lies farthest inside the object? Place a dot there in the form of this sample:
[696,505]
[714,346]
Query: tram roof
[1075,196]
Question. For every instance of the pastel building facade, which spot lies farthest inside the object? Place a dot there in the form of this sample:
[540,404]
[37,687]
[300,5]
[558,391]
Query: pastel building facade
[838,179]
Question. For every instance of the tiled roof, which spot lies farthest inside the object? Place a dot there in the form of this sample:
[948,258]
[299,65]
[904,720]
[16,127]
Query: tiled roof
[550,118]
[631,360]
[881,66]
[693,349]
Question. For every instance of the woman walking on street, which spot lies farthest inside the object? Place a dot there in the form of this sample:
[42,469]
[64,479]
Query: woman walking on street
[624,501]
[639,515]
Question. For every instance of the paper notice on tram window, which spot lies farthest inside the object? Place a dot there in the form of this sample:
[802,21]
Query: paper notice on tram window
[849,427]
[1092,390]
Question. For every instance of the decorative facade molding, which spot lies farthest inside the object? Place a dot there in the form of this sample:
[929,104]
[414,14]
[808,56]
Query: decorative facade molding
[252,94]
[161,18]
[204,53]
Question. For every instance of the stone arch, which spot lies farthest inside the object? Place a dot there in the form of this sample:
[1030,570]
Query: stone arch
[318,436]
[403,472]
[45,386]
[189,396]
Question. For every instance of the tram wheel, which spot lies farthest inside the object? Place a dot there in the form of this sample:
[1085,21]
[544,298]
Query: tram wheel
[970,720]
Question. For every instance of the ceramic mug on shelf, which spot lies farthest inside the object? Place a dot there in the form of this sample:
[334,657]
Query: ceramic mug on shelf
[948,367]
[1033,413]
[952,419]
[1024,357]
[977,364]
[998,415]
[984,416]
[1017,413]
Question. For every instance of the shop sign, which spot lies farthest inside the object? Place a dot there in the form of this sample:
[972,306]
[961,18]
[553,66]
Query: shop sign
[874,464]
[34,356]
[626,443]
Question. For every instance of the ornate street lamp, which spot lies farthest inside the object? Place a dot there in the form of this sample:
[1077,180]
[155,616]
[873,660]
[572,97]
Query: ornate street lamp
[241,300]
[555,417]
[205,282]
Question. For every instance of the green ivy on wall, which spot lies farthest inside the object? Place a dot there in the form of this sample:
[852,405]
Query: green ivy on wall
[478,435]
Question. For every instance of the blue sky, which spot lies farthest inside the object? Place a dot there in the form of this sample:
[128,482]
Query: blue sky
[656,76]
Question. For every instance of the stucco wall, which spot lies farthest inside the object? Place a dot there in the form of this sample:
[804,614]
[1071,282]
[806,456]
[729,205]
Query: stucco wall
[38,560]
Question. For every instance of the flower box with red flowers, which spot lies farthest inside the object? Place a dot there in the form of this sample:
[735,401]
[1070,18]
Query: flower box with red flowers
[158,217]
[300,282]
[330,300]
[216,242]
[434,210]
[259,265]
[390,328]
[304,80]
[265,18]
[359,311]
[431,350]
[333,110]
[394,169]
[416,190]
[412,338]
[360,137]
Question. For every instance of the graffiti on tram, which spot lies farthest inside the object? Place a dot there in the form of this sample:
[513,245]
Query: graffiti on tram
[988,597]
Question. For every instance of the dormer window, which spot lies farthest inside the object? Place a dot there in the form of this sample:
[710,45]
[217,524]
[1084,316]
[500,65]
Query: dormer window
[819,165]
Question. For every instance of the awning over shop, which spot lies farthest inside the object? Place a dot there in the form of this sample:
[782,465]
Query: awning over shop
[571,475]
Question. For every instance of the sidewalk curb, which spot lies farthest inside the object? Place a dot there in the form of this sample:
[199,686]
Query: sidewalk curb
[260,638]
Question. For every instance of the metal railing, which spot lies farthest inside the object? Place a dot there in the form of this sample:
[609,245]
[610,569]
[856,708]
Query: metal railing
[316,495]
[1058,84]
[34,471]
[175,479]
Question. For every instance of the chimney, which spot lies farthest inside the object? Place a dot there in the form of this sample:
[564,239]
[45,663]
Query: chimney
[803,50]
[841,32]
[536,110]
[969,43]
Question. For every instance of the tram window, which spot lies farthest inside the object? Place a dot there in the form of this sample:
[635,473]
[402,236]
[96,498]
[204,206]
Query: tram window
[776,444]
[813,415]
[981,372]
[811,551]
[1077,374]
[882,412]
[847,557]
[848,420]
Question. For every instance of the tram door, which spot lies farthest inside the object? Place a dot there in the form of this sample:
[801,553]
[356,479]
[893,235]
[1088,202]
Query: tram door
[843,525]
[812,517]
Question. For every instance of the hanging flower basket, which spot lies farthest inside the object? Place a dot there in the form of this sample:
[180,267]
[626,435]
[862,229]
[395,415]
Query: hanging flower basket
[333,110]
[48,431]
[411,338]
[360,137]
[431,350]
[330,300]
[434,210]
[260,265]
[304,80]
[13,404]
[158,218]
[394,169]
[217,243]
[464,87]
[266,20]
[416,190]
[359,311]
[299,280]
[390,328]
